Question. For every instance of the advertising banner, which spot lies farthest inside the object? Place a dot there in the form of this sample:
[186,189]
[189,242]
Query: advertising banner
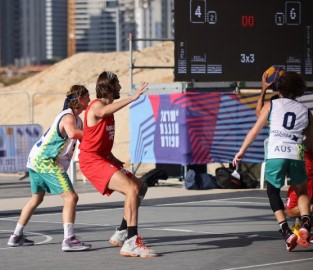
[195,128]
[16,142]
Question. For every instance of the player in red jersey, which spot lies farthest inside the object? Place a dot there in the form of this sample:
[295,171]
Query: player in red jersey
[104,170]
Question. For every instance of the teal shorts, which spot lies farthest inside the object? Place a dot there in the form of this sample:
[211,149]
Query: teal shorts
[49,182]
[278,168]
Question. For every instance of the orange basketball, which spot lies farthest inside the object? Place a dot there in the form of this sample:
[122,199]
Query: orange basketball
[273,73]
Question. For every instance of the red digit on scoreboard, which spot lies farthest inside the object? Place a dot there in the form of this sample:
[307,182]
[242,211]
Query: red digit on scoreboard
[247,21]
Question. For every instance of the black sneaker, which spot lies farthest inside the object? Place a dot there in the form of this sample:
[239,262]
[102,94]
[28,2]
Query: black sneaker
[290,239]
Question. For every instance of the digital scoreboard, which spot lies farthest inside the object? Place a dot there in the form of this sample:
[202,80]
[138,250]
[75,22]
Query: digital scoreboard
[237,40]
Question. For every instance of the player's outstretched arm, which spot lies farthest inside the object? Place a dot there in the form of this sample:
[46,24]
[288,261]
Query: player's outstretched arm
[260,102]
[102,109]
[142,89]
[253,133]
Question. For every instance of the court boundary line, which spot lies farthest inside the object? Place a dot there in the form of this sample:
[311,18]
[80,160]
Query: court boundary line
[268,264]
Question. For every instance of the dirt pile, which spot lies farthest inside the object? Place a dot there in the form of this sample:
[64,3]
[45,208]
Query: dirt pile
[39,98]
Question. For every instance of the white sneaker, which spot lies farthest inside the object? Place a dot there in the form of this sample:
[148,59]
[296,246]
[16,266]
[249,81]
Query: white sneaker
[74,244]
[118,238]
[19,240]
[134,247]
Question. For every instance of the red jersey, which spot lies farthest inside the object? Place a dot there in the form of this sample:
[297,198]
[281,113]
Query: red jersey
[99,138]
[95,159]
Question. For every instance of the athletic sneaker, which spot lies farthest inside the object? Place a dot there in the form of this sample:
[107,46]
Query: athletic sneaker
[304,234]
[134,247]
[290,239]
[74,244]
[19,240]
[296,227]
[118,238]
[311,240]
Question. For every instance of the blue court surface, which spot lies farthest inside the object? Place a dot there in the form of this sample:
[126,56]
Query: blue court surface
[233,230]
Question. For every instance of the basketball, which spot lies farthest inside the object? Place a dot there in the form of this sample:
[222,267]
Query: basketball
[273,73]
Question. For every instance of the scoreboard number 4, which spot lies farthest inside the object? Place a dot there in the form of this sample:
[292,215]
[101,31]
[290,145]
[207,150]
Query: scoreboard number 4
[197,11]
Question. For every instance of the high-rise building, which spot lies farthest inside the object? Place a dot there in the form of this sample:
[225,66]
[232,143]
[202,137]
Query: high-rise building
[41,31]
[154,21]
[105,25]
[33,31]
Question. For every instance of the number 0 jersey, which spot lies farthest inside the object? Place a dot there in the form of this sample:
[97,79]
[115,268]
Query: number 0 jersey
[287,120]
[53,153]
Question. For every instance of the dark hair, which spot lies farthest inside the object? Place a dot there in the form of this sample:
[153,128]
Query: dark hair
[106,84]
[72,96]
[291,85]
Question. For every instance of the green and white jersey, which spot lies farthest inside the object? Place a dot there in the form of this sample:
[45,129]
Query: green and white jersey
[287,120]
[53,153]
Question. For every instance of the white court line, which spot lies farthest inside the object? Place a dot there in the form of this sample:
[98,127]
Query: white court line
[219,200]
[268,264]
[48,238]
[58,222]
[54,214]
[158,205]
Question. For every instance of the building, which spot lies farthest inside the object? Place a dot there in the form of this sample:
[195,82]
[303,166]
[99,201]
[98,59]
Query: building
[154,20]
[36,32]
[33,31]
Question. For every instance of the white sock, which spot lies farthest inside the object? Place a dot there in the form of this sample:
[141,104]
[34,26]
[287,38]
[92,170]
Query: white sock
[18,229]
[68,230]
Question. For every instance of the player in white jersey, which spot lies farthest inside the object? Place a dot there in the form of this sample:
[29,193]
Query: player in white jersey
[47,164]
[288,121]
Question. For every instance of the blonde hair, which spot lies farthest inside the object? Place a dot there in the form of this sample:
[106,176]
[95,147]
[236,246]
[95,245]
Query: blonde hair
[72,96]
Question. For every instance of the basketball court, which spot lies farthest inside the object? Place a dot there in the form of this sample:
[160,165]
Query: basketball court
[213,230]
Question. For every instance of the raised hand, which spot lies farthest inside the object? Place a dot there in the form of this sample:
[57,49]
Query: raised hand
[142,89]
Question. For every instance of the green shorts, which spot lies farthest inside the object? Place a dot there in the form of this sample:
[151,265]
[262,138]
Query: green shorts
[49,182]
[278,168]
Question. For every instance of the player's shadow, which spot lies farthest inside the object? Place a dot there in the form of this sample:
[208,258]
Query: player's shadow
[206,242]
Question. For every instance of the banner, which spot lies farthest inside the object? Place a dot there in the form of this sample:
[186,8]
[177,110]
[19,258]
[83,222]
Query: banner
[195,128]
[16,142]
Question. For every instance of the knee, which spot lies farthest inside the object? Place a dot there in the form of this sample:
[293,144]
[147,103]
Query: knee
[35,202]
[275,200]
[291,214]
[71,197]
[134,189]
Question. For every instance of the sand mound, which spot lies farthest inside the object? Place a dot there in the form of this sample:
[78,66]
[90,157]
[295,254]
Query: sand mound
[46,90]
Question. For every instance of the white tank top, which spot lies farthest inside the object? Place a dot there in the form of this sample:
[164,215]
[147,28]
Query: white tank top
[53,153]
[287,120]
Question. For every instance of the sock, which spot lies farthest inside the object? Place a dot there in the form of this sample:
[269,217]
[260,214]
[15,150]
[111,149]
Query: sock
[123,225]
[18,229]
[284,226]
[132,231]
[306,219]
[68,230]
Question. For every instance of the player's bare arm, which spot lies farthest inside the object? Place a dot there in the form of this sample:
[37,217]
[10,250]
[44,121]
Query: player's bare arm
[68,127]
[260,102]
[106,107]
[253,133]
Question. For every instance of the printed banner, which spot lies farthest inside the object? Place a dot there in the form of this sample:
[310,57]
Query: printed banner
[195,128]
[16,142]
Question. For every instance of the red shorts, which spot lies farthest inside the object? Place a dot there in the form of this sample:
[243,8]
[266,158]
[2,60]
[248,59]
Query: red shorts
[292,198]
[99,170]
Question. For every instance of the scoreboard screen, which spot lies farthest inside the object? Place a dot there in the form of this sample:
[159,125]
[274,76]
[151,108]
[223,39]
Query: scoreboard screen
[237,40]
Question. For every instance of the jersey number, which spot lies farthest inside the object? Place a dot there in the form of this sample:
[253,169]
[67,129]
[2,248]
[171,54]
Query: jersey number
[289,120]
